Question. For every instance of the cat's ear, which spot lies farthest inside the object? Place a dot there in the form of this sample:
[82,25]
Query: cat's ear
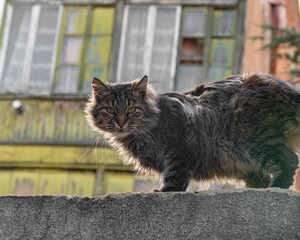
[100,88]
[140,86]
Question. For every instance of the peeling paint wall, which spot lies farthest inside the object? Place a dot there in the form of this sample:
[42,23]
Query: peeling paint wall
[45,121]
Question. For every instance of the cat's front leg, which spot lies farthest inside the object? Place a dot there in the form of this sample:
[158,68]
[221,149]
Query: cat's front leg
[176,176]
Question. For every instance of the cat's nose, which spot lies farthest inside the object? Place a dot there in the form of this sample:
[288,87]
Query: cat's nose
[121,124]
[121,121]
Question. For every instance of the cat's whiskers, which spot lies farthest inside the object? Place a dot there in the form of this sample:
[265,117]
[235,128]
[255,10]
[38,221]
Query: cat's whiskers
[96,149]
[90,146]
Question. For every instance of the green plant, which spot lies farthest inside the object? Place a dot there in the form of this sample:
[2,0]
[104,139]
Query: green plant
[288,37]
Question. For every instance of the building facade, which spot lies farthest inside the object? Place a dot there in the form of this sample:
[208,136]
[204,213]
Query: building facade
[51,49]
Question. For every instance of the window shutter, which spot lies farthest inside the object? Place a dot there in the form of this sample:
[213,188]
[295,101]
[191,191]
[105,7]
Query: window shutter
[43,52]
[70,60]
[132,52]
[12,78]
[162,51]
[148,47]
[221,59]
[99,47]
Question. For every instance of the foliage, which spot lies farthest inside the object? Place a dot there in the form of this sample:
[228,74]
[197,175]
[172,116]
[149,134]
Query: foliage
[288,37]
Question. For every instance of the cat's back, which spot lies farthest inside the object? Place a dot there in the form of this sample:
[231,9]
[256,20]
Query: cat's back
[232,93]
[245,88]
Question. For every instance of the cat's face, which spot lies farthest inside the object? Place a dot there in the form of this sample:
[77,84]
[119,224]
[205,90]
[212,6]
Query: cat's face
[120,109]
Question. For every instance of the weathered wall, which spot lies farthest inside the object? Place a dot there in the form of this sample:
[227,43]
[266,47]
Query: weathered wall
[230,214]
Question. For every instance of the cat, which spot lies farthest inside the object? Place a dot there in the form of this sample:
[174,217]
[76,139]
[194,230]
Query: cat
[244,127]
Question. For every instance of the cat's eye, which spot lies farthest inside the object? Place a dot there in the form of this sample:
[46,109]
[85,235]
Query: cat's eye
[110,110]
[131,110]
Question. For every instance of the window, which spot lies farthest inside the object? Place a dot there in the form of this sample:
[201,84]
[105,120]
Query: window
[180,45]
[149,45]
[85,45]
[28,49]
[55,49]
[207,45]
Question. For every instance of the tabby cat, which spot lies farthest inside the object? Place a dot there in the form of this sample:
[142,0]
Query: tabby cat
[244,127]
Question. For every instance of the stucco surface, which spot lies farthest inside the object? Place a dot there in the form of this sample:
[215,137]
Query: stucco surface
[227,214]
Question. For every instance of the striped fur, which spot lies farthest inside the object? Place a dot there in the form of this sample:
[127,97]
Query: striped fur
[244,127]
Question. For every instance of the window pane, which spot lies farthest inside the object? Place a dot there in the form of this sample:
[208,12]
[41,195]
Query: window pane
[91,72]
[99,50]
[71,49]
[16,50]
[189,77]
[194,21]
[222,53]
[217,73]
[162,48]
[67,79]
[192,48]
[43,51]
[75,20]
[133,56]
[103,20]
[224,23]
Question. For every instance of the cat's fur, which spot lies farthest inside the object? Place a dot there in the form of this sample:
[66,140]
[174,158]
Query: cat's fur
[243,127]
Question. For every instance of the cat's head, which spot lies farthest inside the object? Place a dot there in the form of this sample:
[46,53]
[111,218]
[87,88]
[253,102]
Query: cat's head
[117,110]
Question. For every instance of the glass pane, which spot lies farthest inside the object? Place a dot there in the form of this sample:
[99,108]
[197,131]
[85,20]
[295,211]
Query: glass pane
[103,20]
[75,20]
[192,48]
[91,72]
[132,65]
[43,51]
[71,49]
[162,50]
[217,73]
[99,50]
[224,23]
[189,77]
[16,50]
[67,79]
[222,52]
[194,21]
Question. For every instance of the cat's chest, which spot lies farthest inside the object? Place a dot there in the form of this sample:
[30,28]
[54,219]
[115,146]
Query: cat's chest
[143,147]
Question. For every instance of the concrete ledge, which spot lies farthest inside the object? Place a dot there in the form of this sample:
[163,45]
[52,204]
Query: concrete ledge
[228,214]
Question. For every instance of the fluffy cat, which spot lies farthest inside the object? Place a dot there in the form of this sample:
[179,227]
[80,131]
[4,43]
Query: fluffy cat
[244,127]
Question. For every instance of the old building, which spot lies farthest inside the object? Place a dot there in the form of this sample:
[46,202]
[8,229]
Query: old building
[51,49]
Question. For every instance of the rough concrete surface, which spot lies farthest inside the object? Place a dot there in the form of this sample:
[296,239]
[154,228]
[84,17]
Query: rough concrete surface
[228,214]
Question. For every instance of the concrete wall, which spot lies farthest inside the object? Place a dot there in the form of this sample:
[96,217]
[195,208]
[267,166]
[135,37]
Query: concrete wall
[230,214]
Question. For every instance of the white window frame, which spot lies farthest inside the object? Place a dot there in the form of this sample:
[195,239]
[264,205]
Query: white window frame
[32,33]
[2,7]
[149,38]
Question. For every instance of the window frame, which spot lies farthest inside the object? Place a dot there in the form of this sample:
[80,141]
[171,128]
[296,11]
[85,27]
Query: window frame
[149,38]
[238,49]
[5,34]
[116,37]
[85,43]
[31,39]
